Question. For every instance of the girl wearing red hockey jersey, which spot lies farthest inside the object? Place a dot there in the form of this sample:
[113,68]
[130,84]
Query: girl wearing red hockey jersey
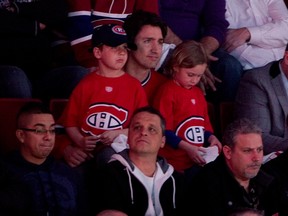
[184,107]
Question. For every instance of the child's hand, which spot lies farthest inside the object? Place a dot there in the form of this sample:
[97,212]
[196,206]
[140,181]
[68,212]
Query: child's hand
[89,143]
[214,141]
[108,137]
[195,153]
[74,155]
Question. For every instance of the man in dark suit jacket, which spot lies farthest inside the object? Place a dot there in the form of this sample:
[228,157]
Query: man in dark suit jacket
[263,98]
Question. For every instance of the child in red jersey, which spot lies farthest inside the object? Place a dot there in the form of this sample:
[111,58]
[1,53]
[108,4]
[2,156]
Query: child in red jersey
[101,105]
[184,107]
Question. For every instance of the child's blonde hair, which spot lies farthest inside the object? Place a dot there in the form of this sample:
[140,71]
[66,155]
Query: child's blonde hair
[188,54]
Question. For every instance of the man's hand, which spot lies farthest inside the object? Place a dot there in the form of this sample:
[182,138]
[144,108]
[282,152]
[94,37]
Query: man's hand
[236,38]
[172,38]
[208,81]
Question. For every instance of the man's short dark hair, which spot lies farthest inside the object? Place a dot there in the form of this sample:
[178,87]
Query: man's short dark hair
[237,127]
[154,111]
[32,108]
[135,21]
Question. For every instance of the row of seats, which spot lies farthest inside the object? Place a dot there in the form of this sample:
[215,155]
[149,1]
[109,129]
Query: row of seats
[220,116]
[9,108]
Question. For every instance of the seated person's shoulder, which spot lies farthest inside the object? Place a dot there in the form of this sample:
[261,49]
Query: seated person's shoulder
[260,72]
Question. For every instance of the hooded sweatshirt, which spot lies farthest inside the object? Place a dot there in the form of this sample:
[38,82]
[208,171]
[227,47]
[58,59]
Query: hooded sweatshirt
[122,186]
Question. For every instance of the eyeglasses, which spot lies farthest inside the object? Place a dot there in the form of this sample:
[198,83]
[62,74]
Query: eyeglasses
[39,131]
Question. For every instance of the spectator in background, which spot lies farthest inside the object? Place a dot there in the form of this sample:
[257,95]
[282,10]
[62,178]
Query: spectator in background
[234,180]
[147,32]
[85,15]
[55,187]
[204,21]
[257,32]
[136,181]
[28,34]
[263,98]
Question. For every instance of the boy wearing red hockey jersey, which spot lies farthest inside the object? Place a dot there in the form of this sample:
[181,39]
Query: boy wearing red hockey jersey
[101,105]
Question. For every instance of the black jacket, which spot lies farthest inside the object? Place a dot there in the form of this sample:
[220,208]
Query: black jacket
[215,192]
[15,199]
[56,188]
[278,168]
[118,186]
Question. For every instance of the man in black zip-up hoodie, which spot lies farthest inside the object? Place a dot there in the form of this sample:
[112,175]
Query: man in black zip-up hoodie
[136,181]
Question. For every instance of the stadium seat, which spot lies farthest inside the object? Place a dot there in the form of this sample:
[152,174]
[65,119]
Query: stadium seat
[226,110]
[212,115]
[57,106]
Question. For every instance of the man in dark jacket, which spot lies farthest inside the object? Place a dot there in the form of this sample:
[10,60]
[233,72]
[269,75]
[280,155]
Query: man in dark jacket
[234,180]
[136,181]
[55,187]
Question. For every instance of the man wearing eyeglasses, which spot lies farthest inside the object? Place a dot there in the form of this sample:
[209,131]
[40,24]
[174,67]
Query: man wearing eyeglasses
[55,187]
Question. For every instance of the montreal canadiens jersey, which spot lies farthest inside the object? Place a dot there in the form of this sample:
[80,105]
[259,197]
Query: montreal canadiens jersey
[99,103]
[185,111]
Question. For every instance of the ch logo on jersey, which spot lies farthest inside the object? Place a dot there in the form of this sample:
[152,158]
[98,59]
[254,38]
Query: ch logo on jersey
[192,130]
[104,117]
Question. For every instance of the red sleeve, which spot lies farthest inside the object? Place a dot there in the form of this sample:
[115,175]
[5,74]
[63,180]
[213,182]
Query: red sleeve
[79,30]
[147,5]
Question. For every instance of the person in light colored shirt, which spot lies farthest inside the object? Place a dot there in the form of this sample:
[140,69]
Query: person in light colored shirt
[257,32]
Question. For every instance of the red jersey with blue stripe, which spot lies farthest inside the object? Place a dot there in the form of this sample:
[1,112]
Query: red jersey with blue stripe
[185,111]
